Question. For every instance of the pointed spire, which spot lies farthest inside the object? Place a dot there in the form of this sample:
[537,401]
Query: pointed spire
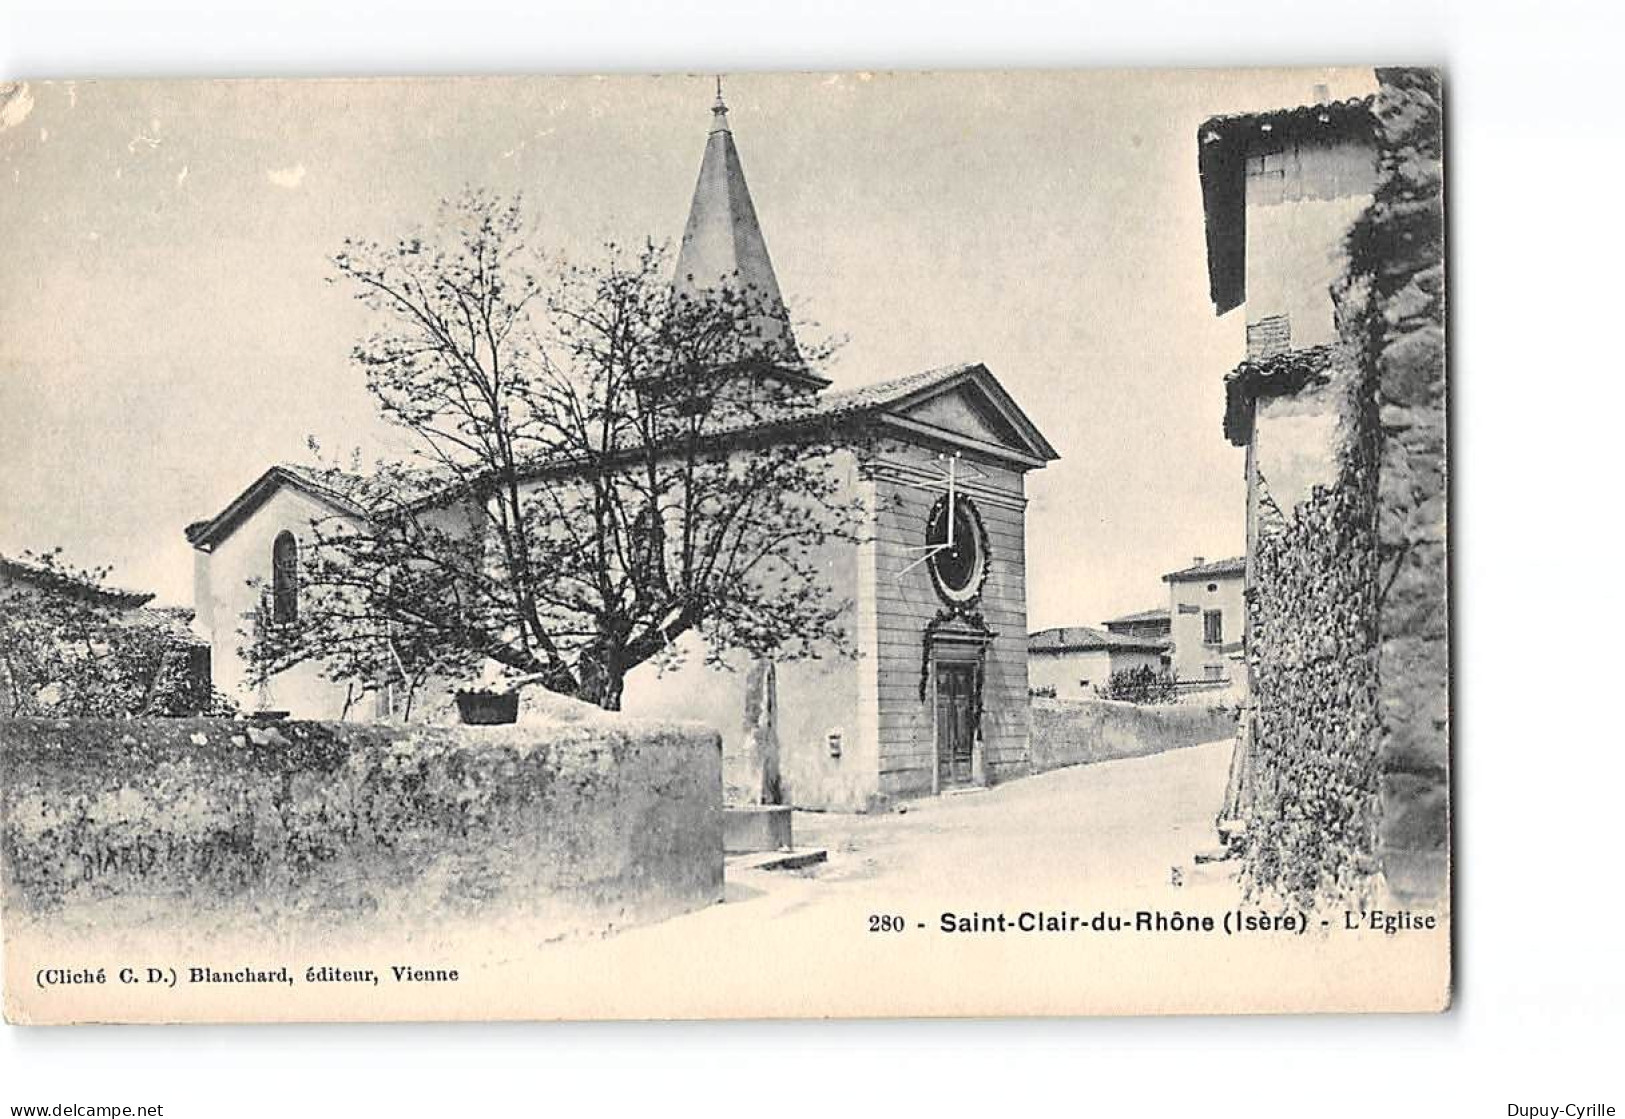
[719,110]
[722,242]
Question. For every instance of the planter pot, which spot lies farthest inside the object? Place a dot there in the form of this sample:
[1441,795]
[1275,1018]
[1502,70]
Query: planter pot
[482,709]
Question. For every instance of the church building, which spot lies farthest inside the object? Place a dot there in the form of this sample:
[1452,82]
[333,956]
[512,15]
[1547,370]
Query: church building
[937,696]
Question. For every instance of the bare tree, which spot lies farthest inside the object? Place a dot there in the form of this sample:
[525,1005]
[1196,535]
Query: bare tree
[600,466]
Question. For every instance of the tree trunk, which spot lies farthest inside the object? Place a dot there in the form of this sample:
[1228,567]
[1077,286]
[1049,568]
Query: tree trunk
[602,681]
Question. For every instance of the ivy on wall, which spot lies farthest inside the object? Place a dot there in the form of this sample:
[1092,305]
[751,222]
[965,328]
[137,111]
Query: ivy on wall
[1348,604]
[1313,614]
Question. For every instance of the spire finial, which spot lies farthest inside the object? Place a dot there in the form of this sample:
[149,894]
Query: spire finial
[719,111]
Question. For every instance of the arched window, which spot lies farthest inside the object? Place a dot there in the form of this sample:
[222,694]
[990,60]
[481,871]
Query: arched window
[648,548]
[285,578]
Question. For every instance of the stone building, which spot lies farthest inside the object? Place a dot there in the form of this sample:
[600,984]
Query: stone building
[938,694]
[1325,222]
[1206,617]
[1077,662]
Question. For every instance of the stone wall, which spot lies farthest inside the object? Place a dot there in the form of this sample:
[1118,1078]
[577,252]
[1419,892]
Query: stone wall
[343,830]
[1399,247]
[1312,625]
[1078,732]
[1078,673]
[1347,783]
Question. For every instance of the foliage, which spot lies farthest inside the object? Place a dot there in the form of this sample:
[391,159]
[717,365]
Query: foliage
[1397,245]
[1143,684]
[1311,833]
[599,466]
[69,646]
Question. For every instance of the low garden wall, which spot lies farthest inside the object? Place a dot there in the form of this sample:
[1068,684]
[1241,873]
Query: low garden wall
[208,824]
[1076,732]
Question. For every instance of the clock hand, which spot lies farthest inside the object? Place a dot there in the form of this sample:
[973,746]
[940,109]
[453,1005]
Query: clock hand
[931,550]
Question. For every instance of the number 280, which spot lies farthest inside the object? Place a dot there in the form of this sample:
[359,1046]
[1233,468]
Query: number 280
[885,922]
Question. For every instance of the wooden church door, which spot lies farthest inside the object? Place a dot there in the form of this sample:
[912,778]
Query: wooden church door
[956,732]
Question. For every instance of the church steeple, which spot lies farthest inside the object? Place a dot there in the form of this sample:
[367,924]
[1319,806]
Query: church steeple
[723,243]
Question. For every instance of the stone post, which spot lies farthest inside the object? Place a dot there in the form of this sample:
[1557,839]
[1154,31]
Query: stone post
[750,766]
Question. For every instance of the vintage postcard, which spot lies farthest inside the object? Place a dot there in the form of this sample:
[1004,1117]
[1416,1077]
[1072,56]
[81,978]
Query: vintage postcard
[754,545]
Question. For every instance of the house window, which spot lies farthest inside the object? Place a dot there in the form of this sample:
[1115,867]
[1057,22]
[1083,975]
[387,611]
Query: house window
[1267,165]
[1213,671]
[1213,627]
[285,578]
[1266,177]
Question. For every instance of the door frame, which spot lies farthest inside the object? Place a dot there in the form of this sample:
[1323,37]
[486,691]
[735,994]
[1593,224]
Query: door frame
[960,653]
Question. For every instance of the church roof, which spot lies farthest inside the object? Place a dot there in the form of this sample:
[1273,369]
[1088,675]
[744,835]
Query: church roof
[890,402]
[887,404]
[893,391]
[723,244]
[314,484]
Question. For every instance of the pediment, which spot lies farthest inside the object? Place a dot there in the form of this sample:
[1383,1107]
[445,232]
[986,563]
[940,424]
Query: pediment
[962,413]
[974,409]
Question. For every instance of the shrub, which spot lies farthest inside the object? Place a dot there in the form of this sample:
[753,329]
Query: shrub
[1139,685]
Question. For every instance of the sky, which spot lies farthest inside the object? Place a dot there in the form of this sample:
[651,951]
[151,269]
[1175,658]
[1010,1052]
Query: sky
[167,328]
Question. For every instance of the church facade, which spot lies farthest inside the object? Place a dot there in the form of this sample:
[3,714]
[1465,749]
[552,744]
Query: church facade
[935,588]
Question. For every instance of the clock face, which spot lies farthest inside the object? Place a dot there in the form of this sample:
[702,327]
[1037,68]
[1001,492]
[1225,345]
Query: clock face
[959,564]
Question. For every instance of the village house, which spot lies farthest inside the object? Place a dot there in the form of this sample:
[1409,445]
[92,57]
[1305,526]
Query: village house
[1153,623]
[1280,191]
[937,696]
[1077,662]
[1206,612]
[1325,221]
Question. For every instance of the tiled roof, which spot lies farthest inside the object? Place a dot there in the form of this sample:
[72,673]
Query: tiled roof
[844,401]
[317,483]
[323,478]
[1236,565]
[174,621]
[1349,117]
[848,402]
[83,588]
[337,487]
[1155,614]
[1222,146]
[1282,374]
[1087,638]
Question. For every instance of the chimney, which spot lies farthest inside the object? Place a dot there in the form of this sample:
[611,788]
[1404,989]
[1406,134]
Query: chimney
[1323,94]
[1198,561]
